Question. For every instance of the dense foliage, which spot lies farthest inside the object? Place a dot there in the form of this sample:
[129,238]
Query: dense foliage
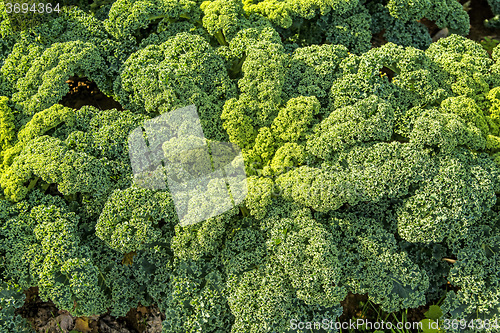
[366,167]
[495,8]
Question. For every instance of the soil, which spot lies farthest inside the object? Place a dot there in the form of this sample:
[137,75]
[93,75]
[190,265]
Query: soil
[352,308]
[357,307]
[480,11]
[46,318]
[85,92]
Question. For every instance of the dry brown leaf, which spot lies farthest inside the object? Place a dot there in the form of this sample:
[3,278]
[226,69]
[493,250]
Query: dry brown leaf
[443,33]
[65,321]
[82,325]
[142,309]
[128,258]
